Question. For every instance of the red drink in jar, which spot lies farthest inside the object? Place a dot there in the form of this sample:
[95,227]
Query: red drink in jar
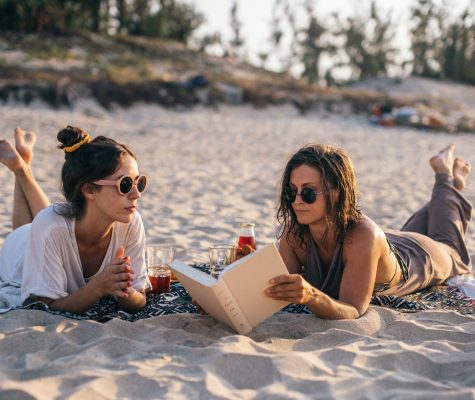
[159,280]
[247,236]
[250,240]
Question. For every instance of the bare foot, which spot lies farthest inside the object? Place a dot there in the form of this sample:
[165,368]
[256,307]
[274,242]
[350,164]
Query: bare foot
[9,156]
[24,142]
[462,170]
[443,162]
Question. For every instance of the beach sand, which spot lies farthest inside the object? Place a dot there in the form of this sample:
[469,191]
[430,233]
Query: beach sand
[209,171]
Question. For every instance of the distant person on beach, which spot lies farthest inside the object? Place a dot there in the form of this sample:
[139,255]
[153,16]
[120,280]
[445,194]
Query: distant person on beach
[69,255]
[338,258]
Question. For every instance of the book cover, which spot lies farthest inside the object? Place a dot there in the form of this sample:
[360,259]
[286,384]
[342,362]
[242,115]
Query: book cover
[237,297]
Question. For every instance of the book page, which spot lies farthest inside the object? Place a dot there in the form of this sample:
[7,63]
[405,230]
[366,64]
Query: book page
[247,279]
[203,288]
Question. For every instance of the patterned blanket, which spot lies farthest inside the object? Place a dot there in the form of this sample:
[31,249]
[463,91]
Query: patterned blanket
[178,301]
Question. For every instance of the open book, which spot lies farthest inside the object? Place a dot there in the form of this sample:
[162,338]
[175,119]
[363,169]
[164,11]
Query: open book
[237,297]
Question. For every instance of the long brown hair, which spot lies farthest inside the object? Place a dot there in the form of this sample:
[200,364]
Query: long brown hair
[338,175]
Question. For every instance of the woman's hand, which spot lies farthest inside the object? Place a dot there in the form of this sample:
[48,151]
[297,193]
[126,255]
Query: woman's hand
[291,287]
[116,278]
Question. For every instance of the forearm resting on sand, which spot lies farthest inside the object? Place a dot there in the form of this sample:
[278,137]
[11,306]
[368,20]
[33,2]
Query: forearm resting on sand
[134,302]
[323,306]
[76,302]
[295,289]
[82,299]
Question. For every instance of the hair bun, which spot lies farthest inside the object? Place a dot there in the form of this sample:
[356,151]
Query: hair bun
[69,136]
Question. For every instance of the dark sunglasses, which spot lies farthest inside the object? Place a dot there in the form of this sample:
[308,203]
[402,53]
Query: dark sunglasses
[308,195]
[125,183]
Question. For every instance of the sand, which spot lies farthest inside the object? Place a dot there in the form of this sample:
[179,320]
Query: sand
[209,171]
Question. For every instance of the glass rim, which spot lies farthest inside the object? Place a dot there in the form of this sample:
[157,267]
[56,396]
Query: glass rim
[247,224]
[159,246]
[221,246]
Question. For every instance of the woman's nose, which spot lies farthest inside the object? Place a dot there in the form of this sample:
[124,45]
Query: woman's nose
[298,198]
[134,193]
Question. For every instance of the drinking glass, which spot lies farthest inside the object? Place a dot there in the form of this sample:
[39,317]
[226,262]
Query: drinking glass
[220,255]
[158,257]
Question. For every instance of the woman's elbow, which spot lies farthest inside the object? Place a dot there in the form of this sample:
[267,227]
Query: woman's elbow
[360,311]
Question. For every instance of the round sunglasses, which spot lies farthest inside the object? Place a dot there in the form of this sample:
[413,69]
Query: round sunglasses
[125,183]
[308,195]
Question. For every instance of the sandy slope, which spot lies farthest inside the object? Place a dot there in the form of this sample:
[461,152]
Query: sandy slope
[209,171]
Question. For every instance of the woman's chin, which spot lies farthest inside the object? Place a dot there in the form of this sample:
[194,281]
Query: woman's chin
[304,219]
[125,219]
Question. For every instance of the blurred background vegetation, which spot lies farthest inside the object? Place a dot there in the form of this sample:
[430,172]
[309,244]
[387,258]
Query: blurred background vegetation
[441,47]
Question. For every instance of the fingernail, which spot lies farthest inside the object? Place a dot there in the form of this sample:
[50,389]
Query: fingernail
[272,281]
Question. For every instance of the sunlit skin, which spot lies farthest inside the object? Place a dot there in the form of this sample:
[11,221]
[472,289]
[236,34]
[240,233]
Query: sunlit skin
[366,255]
[93,234]
[104,206]
[18,158]
[365,252]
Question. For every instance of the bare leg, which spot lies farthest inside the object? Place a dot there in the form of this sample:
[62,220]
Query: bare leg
[36,198]
[29,198]
[461,171]
[21,210]
[24,142]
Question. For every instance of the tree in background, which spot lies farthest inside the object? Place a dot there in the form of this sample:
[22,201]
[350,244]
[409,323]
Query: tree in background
[168,19]
[443,47]
[276,32]
[237,42]
[171,20]
[45,15]
[122,17]
[316,40]
[368,44]
[285,34]
[210,39]
[425,38]
[457,58]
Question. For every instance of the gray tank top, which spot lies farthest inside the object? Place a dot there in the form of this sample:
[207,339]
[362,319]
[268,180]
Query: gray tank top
[330,282]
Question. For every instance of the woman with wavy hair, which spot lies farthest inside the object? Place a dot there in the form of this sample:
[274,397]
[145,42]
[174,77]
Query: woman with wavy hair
[338,258]
[69,255]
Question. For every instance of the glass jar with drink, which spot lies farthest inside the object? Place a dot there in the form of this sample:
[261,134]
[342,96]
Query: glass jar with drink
[158,257]
[247,236]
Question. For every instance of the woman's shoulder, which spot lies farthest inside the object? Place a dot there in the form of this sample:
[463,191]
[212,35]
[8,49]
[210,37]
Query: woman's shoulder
[51,215]
[365,233]
[365,230]
[50,226]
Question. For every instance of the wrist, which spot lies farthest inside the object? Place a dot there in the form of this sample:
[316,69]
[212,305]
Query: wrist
[95,288]
[22,171]
[314,299]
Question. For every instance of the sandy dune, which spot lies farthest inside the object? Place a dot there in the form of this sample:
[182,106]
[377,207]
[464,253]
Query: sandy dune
[210,170]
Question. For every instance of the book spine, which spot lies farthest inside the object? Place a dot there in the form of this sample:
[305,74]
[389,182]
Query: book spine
[232,309]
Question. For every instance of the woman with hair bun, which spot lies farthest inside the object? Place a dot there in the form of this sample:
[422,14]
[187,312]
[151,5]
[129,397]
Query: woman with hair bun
[69,255]
[338,258]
